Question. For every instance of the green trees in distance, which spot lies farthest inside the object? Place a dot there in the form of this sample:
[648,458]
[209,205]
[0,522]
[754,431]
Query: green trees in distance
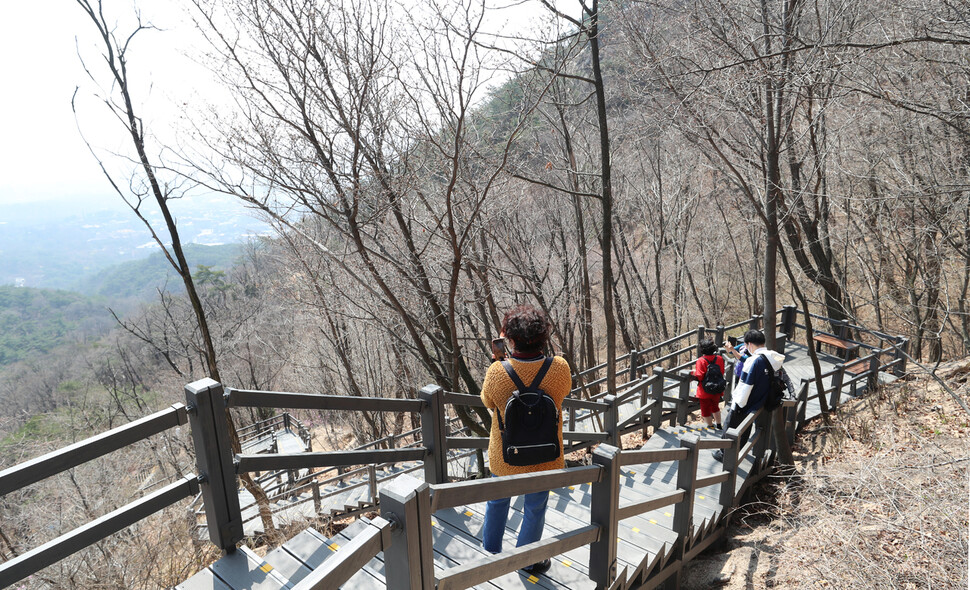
[140,279]
[35,321]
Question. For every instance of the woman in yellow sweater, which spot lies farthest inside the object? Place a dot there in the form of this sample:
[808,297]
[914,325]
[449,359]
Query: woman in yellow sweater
[527,331]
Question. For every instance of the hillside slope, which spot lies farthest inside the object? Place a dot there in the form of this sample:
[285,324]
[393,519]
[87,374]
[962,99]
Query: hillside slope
[35,321]
[879,500]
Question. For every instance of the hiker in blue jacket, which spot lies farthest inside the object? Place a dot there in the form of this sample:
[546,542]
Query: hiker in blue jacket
[752,390]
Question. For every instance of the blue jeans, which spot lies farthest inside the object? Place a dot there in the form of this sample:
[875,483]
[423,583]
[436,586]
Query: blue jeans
[497,513]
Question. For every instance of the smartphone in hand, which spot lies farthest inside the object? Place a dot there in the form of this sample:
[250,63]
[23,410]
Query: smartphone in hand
[498,348]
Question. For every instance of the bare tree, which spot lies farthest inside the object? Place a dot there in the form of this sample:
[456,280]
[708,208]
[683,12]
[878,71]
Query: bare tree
[145,187]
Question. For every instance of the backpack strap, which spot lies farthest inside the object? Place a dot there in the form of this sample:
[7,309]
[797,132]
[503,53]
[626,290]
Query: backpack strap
[541,374]
[513,375]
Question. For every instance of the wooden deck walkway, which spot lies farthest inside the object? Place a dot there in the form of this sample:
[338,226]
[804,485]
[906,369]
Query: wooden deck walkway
[646,542]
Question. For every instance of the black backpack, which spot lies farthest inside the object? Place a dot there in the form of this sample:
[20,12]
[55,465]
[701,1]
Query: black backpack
[530,432]
[713,381]
[777,388]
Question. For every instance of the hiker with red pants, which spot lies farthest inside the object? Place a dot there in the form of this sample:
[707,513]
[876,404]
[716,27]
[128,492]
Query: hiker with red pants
[709,374]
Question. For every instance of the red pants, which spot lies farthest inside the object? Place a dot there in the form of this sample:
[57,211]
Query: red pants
[709,405]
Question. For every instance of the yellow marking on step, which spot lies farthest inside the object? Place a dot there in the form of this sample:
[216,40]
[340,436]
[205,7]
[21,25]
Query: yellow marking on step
[667,514]
[572,487]
[652,521]
[567,563]
[266,568]
[434,523]
[469,513]
[533,579]
[636,530]
[701,497]
[333,546]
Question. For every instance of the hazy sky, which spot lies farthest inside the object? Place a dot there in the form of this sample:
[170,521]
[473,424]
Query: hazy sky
[42,155]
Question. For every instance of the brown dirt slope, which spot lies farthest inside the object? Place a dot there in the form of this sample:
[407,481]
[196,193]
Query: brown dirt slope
[880,499]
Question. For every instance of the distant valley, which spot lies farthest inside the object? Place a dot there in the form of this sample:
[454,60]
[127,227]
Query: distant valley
[68,245]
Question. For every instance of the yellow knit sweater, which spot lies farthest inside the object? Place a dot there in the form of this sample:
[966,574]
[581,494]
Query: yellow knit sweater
[497,389]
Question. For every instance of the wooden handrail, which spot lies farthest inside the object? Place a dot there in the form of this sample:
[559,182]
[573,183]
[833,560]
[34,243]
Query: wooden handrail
[309,401]
[84,536]
[280,461]
[484,569]
[658,501]
[55,462]
[648,410]
[460,493]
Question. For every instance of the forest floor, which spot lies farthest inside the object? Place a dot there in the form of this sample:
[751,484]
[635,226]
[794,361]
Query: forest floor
[879,499]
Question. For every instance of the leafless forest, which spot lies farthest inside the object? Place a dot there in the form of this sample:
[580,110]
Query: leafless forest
[635,168]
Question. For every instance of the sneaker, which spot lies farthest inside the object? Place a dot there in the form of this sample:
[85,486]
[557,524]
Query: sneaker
[718,427]
[719,455]
[538,568]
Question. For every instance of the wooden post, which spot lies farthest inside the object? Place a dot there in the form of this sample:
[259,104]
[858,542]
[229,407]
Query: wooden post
[763,426]
[719,336]
[902,344]
[872,382]
[644,399]
[803,402]
[789,319]
[684,398]
[728,381]
[604,503]
[406,504]
[656,414]
[837,380]
[755,322]
[316,496]
[701,332]
[781,339]
[611,421]
[843,330]
[684,510]
[634,364]
[433,434]
[213,456]
[728,497]
[780,437]
[372,482]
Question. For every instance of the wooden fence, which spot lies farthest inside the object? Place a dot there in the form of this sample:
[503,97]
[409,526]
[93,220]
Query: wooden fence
[656,391]
[41,468]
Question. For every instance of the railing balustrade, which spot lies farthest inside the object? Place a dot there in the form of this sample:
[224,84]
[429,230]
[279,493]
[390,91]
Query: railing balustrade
[89,449]
[657,391]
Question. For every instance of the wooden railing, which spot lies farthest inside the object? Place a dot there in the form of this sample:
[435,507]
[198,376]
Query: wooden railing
[41,468]
[656,391]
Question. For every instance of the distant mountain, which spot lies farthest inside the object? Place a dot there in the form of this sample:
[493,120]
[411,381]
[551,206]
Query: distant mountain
[35,321]
[60,244]
[139,279]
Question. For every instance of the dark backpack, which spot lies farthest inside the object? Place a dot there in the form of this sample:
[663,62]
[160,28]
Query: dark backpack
[530,432]
[713,381]
[777,388]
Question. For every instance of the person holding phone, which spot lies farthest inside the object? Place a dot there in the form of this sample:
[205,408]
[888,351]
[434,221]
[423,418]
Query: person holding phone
[741,355]
[526,330]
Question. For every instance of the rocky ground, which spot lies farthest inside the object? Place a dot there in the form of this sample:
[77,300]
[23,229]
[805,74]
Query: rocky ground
[879,499]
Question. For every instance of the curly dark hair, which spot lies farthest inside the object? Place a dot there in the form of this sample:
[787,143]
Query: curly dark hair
[707,346]
[527,328]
